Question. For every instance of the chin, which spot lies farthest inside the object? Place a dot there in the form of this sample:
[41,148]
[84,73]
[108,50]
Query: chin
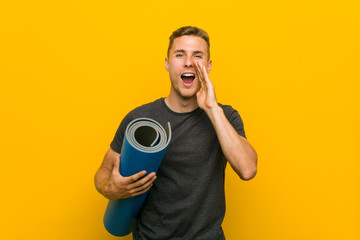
[188,94]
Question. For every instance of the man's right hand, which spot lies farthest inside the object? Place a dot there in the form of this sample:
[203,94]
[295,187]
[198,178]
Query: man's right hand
[113,185]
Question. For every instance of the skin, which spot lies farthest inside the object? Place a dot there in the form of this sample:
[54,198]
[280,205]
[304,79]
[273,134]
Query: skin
[237,149]
[110,183]
[185,51]
[187,54]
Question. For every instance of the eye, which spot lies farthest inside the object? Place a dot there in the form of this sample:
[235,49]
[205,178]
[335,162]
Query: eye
[198,56]
[179,55]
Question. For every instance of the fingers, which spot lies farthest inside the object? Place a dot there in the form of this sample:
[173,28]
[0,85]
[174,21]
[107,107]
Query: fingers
[200,70]
[120,187]
[200,74]
[206,77]
[201,79]
[136,177]
[143,191]
[139,191]
[128,180]
[203,76]
[149,178]
[142,185]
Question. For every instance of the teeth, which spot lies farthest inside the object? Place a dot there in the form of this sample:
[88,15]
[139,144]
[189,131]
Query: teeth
[188,75]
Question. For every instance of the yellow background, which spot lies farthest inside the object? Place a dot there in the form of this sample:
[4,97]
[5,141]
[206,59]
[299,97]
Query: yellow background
[71,70]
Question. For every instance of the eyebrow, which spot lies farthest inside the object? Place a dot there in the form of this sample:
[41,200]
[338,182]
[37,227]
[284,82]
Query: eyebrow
[197,52]
[183,51]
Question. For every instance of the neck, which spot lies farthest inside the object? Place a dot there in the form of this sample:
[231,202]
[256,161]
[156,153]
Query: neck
[180,104]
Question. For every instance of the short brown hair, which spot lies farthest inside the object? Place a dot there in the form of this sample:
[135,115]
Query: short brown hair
[189,31]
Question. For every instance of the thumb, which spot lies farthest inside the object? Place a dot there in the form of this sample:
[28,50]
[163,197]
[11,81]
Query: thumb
[116,168]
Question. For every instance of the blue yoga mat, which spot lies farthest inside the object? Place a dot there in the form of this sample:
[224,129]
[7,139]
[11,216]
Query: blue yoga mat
[144,146]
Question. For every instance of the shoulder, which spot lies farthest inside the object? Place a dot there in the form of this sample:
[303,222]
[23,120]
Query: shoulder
[141,111]
[229,111]
[234,118]
[226,107]
[145,108]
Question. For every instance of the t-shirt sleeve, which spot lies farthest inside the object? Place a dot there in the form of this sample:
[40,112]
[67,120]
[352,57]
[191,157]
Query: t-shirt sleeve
[117,142]
[235,120]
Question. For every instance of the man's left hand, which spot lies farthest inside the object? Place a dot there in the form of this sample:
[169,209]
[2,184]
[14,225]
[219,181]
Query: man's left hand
[206,98]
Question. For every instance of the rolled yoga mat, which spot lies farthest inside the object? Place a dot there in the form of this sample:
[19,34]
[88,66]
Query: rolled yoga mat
[144,145]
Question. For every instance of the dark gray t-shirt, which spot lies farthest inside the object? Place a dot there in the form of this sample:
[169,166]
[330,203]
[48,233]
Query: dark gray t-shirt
[187,200]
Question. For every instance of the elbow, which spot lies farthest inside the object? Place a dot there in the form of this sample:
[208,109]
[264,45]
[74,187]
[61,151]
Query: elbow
[248,175]
[251,171]
[245,165]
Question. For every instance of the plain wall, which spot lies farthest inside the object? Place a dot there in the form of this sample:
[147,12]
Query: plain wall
[71,70]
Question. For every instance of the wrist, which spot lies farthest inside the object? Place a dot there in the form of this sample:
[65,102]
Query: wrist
[214,111]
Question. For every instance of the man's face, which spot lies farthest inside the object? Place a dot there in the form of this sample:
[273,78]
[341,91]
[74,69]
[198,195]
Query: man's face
[181,65]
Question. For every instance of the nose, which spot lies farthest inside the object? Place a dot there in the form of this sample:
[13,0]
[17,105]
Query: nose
[189,62]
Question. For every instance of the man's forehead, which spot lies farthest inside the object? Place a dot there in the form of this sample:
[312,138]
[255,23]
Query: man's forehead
[189,43]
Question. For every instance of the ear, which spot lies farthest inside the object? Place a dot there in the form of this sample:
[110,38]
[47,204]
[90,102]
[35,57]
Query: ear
[167,64]
[209,65]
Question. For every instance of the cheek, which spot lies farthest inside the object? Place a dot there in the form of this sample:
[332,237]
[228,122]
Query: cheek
[175,68]
[204,62]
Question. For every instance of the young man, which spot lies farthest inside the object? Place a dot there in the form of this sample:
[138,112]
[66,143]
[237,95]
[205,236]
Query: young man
[187,200]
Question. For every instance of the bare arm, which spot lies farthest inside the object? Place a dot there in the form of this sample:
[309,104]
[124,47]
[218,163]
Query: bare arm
[237,150]
[110,183]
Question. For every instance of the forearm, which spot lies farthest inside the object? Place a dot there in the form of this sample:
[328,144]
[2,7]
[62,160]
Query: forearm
[101,179]
[236,149]
[110,183]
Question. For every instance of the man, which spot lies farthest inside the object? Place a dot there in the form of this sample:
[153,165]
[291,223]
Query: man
[187,200]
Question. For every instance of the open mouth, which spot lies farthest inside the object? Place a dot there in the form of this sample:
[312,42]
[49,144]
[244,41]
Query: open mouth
[188,77]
